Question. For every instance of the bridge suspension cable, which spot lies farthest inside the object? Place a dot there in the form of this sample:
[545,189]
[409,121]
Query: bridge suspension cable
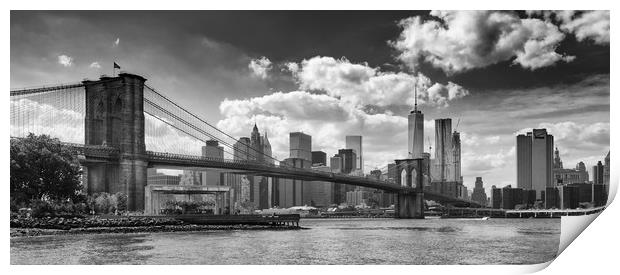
[164,109]
[55,111]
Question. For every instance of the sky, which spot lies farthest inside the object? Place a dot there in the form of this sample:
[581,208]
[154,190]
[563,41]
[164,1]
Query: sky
[337,73]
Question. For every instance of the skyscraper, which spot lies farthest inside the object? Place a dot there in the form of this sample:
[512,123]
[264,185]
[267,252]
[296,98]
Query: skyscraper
[348,158]
[300,146]
[355,143]
[606,173]
[581,166]
[415,131]
[256,144]
[290,192]
[535,161]
[524,161]
[267,149]
[319,158]
[338,192]
[456,159]
[335,163]
[319,193]
[557,161]
[598,173]
[242,149]
[444,154]
[213,150]
[254,189]
[479,195]
[542,160]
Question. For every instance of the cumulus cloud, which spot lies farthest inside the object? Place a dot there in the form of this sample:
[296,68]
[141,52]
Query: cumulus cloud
[333,101]
[457,41]
[292,67]
[592,25]
[95,65]
[585,25]
[360,84]
[65,60]
[296,105]
[473,162]
[473,140]
[260,67]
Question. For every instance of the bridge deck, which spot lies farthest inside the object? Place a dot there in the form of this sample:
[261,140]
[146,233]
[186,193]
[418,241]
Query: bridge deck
[101,153]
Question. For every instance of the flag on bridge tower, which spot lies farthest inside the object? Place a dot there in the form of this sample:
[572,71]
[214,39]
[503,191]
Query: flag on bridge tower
[116,66]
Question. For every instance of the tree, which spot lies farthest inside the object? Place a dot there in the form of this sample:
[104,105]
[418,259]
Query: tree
[43,168]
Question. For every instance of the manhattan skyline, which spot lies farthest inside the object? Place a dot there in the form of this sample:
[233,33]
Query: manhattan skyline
[350,73]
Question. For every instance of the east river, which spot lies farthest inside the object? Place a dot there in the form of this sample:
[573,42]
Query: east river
[327,241]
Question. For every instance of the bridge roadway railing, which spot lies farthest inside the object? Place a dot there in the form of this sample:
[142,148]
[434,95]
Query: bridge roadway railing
[271,170]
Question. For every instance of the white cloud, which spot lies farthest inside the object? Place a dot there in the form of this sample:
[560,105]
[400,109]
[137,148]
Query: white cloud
[116,42]
[458,41]
[292,67]
[593,25]
[260,67]
[95,65]
[65,60]
[360,84]
[330,104]
[473,140]
[474,162]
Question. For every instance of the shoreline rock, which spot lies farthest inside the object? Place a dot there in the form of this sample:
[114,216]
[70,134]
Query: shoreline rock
[34,232]
[30,227]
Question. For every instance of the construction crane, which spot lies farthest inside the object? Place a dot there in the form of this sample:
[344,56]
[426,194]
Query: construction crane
[430,148]
[457,124]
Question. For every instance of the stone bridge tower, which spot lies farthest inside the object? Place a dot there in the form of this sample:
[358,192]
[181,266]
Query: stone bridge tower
[115,118]
[411,173]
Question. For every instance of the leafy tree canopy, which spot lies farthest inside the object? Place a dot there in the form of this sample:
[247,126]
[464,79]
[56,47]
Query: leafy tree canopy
[43,168]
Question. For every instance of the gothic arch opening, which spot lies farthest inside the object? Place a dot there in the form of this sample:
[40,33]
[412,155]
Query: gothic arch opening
[414,175]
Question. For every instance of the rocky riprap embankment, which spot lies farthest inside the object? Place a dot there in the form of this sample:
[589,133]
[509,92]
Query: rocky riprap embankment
[78,222]
[25,227]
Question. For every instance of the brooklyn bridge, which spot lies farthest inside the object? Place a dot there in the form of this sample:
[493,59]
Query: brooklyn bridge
[122,119]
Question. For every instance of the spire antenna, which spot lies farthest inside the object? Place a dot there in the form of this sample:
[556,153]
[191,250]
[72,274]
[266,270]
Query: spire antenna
[415,92]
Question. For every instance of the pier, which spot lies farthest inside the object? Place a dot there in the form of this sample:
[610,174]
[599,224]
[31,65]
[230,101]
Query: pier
[456,212]
[272,220]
